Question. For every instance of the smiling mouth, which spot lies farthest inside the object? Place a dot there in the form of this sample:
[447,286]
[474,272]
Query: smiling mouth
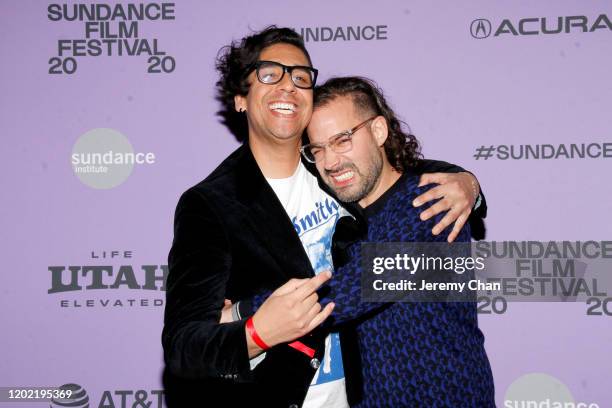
[343,178]
[283,108]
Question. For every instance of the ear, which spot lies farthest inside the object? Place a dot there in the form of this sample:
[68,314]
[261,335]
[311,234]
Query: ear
[380,130]
[240,103]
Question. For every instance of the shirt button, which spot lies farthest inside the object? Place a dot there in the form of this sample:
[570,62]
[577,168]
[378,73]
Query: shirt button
[315,363]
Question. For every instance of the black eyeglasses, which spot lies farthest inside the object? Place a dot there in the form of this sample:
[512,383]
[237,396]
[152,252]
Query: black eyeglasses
[271,72]
[339,143]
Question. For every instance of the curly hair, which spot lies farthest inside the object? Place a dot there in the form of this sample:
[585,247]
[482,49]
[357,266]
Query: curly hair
[402,148]
[233,62]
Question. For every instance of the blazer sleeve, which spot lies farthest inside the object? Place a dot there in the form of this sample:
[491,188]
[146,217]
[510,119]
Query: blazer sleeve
[345,284]
[435,166]
[195,344]
[344,287]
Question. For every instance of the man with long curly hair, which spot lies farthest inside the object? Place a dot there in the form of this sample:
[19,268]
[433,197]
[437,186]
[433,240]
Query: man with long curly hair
[420,354]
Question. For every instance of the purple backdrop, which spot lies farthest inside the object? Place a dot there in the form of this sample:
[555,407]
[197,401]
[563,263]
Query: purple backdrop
[456,91]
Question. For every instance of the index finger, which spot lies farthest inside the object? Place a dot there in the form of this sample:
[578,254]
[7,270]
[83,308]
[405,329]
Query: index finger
[458,225]
[431,194]
[312,285]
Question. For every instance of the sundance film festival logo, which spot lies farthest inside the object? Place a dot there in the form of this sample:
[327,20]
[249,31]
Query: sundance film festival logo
[482,28]
[110,30]
[103,158]
[344,33]
[104,280]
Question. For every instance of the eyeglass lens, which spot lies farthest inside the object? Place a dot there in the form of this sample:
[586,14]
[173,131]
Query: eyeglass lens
[271,73]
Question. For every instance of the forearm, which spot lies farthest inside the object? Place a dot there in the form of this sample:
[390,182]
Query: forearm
[343,289]
[195,344]
[345,285]
[202,350]
[436,166]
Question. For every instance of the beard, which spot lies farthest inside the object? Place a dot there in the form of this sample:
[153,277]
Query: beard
[367,178]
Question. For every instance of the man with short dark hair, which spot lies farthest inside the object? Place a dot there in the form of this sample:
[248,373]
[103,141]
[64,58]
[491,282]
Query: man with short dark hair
[261,220]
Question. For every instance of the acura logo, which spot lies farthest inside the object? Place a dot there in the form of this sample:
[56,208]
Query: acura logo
[480,28]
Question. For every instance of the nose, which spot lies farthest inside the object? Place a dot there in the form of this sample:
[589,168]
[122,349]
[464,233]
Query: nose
[331,159]
[286,83]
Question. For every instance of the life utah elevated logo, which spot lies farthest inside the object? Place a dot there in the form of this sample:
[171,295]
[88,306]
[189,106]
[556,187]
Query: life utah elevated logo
[109,279]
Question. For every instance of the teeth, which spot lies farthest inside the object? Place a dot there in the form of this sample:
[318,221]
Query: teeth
[280,107]
[283,111]
[344,176]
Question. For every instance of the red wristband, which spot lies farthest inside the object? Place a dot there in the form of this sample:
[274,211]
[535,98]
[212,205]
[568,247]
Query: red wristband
[251,329]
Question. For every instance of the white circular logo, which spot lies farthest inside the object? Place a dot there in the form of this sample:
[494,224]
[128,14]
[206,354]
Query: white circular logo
[539,390]
[104,158]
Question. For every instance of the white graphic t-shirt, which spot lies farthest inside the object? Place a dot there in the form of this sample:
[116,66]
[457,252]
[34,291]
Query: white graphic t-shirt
[314,214]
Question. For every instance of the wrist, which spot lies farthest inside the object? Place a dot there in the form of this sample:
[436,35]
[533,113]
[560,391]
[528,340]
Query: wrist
[254,335]
[475,188]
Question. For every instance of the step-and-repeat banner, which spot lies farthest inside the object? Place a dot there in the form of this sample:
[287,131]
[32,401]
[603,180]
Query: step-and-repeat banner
[516,92]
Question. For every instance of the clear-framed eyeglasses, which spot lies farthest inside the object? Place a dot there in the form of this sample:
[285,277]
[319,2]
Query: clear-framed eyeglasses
[338,143]
[271,72]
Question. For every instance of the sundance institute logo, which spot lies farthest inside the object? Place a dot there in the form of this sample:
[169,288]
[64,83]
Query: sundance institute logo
[104,158]
[541,390]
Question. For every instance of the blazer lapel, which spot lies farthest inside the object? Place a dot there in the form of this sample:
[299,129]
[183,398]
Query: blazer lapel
[270,220]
